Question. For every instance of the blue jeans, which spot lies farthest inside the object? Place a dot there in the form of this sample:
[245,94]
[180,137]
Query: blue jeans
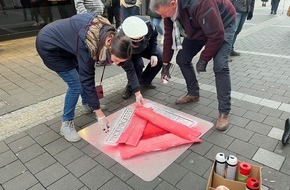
[157,23]
[72,79]
[220,68]
[241,18]
[129,11]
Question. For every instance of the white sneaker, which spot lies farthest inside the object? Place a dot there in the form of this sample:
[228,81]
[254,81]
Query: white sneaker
[69,132]
[41,22]
[35,24]
[103,107]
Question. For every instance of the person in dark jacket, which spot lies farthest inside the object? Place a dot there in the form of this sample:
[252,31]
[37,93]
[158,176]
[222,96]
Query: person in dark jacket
[204,24]
[113,11]
[274,6]
[144,45]
[244,9]
[70,47]
[156,19]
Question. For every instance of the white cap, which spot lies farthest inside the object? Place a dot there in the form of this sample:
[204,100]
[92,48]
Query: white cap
[220,157]
[134,27]
[232,160]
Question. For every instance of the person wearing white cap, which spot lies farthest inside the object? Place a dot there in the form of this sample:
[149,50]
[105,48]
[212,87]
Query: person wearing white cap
[70,47]
[144,45]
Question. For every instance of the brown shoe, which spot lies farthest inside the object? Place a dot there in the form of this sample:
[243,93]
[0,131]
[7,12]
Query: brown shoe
[222,123]
[187,98]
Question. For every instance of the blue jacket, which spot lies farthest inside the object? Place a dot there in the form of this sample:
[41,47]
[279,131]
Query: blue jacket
[61,45]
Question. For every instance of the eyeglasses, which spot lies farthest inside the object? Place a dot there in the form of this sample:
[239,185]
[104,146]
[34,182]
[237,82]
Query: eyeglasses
[137,39]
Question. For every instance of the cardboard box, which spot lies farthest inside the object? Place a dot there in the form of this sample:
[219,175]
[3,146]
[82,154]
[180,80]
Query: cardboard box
[215,180]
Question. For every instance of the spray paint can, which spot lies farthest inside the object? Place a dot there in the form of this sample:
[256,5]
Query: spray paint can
[244,173]
[252,184]
[232,162]
[220,163]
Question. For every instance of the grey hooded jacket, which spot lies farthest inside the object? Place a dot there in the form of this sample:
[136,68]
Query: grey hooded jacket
[89,6]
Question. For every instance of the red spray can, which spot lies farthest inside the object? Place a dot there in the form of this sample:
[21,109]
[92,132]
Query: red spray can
[252,184]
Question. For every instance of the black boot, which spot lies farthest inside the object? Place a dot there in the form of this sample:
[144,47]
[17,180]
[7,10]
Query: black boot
[286,134]
[127,93]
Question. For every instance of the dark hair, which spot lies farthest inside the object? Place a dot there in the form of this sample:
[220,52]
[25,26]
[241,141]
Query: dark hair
[121,46]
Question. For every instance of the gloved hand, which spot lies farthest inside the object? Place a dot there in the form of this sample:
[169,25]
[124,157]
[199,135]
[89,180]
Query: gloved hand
[165,72]
[153,60]
[139,99]
[103,123]
[201,66]
[250,16]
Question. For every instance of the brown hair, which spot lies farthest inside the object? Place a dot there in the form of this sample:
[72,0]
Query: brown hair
[121,46]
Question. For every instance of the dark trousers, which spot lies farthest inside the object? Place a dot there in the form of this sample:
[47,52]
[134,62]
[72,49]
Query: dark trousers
[114,11]
[220,68]
[146,77]
[129,11]
[274,5]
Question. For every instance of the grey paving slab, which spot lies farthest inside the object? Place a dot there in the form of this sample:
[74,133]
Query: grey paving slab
[261,141]
[275,122]
[286,166]
[165,185]
[191,181]
[220,139]
[11,170]
[7,158]
[239,121]
[38,130]
[21,144]
[240,133]
[57,146]
[137,183]
[255,116]
[3,147]
[40,162]
[81,165]
[96,177]
[68,155]
[51,174]
[122,172]
[201,148]
[196,163]
[47,137]
[276,133]
[243,148]
[259,127]
[269,158]
[23,181]
[105,160]
[67,182]
[178,173]
[38,186]
[274,179]
[116,183]
[30,153]
[91,151]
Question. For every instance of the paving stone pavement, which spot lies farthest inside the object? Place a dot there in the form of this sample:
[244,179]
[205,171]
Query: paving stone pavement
[34,156]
